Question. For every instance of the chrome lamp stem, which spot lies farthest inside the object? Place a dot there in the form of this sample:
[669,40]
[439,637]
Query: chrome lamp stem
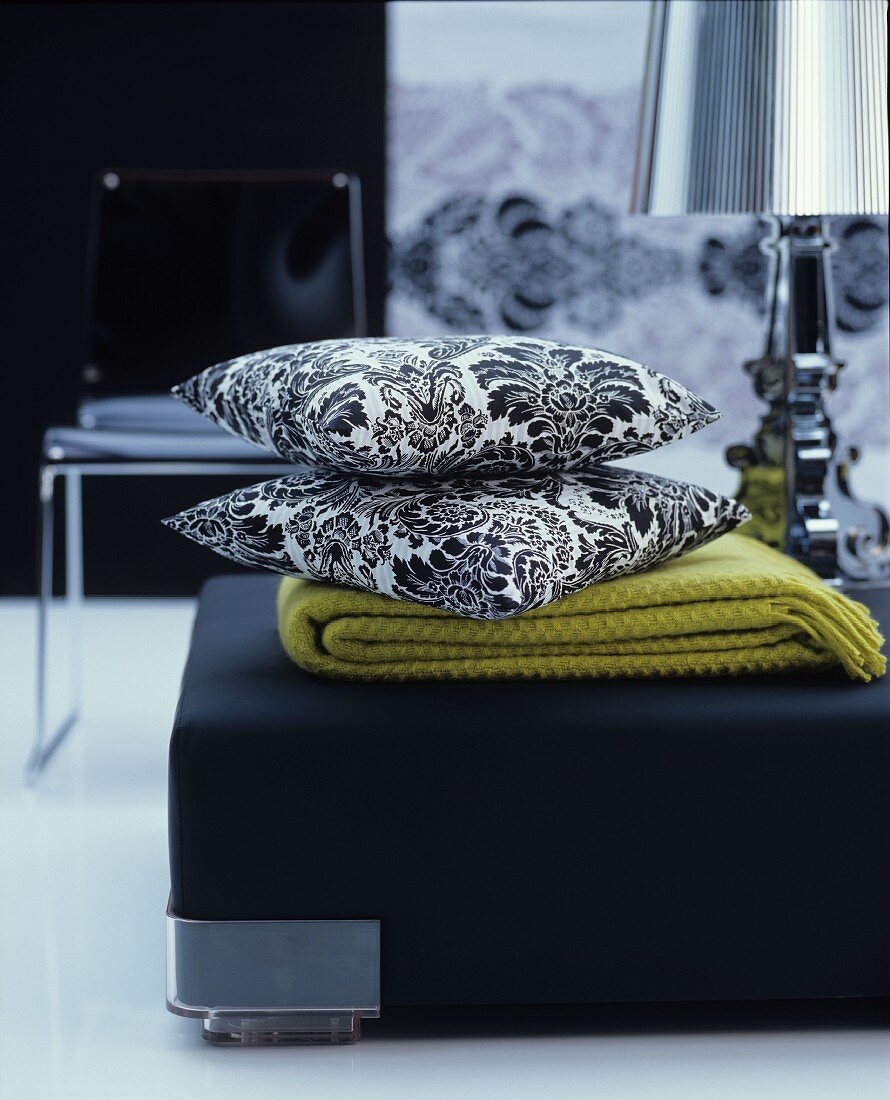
[795,476]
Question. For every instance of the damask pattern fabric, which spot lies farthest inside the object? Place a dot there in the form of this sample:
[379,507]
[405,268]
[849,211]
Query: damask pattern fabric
[453,405]
[482,549]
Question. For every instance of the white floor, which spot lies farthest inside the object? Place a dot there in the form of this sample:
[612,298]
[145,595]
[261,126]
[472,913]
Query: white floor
[83,883]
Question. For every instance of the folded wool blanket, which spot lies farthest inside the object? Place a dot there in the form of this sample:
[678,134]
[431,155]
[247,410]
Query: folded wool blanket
[734,606]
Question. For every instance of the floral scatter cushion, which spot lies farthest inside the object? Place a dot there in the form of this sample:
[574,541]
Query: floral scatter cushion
[483,549]
[447,406]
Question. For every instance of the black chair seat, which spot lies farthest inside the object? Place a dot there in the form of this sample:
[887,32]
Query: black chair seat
[151,412]
[89,445]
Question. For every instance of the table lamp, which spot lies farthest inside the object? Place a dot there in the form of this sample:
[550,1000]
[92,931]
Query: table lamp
[778,108]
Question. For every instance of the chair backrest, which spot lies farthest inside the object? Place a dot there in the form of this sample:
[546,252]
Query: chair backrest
[185,269]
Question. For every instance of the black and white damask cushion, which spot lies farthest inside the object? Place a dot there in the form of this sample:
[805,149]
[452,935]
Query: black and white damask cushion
[462,404]
[484,549]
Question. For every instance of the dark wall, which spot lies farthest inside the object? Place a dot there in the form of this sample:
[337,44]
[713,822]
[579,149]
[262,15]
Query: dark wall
[89,86]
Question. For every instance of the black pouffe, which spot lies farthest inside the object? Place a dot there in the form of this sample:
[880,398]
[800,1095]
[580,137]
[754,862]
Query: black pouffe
[539,842]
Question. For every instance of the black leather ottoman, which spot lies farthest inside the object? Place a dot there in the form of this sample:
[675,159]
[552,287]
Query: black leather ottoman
[335,846]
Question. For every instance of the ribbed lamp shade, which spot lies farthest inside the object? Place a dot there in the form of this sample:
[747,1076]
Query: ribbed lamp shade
[764,107]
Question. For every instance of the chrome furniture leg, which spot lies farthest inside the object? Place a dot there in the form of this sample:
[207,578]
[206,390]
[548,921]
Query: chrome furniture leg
[274,981]
[46,742]
[74,579]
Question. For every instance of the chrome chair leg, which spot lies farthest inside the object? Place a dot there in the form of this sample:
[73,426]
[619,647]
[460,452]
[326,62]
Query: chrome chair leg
[46,742]
[74,580]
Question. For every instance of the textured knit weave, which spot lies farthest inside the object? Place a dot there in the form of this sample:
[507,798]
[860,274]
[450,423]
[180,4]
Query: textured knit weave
[732,607]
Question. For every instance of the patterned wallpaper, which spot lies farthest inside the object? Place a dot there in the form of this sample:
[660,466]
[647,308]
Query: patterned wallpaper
[506,214]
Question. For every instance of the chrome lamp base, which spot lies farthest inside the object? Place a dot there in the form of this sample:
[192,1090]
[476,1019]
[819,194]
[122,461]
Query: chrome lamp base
[794,476]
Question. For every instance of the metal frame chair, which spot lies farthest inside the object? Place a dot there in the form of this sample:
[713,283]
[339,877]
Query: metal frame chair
[73,453]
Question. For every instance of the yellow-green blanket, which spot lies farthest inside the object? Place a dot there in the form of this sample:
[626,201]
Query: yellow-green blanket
[734,606]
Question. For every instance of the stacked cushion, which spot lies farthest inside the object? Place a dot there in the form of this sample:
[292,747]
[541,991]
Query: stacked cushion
[466,404]
[485,549]
[463,473]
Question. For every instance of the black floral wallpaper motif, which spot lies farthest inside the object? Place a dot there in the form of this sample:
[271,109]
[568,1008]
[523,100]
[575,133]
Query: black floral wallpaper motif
[736,265]
[479,263]
[506,213]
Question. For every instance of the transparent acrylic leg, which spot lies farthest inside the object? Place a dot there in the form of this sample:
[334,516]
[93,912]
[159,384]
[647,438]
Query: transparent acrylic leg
[259,1029]
[46,741]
